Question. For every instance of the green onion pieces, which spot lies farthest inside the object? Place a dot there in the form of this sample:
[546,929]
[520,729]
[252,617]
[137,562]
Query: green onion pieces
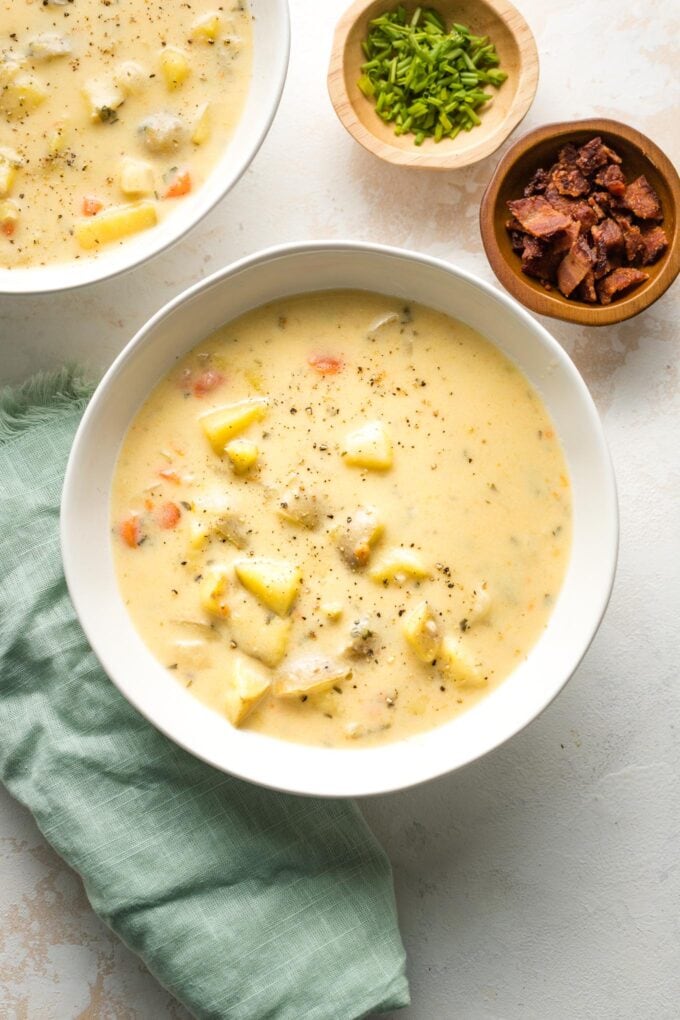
[425,80]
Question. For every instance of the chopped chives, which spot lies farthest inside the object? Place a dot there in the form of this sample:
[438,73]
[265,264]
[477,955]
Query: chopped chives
[424,79]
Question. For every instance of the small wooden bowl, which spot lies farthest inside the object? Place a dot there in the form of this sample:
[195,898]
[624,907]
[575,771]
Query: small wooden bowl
[516,49]
[539,149]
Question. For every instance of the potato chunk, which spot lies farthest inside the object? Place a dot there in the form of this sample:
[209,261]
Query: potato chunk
[309,674]
[275,583]
[457,664]
[206,28]
[103,97]
[247,685]
[362,638]
[479,605]
[163,132]
[398,566]
[202,125]
[49,46]
[360,532]
[421,630]
[23,94]
[298,506]
[175,67]
[115,223]
[260,633]
[214,588]
[58,138]
[242,454]
[369,447]
[226,422]
[8,173]
[136,177]
[130,76]
[219,521]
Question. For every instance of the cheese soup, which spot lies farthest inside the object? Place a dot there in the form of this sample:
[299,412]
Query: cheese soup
[110,114]
[342,519]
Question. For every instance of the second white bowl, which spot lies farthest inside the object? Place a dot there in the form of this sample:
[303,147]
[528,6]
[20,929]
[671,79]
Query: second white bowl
[271,46]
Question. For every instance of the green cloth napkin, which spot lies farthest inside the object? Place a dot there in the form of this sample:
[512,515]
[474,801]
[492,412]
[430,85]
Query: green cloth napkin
[243,902]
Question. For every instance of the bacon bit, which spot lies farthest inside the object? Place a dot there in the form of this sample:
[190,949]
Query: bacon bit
[207,382]
[170,475]
[181,185]
[642,200]
[619,280]
[325,364]
[168,515]
[91,206]
[655,243]
[131,531]
[538,217]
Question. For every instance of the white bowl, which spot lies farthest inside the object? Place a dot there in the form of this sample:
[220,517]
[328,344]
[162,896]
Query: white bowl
[86,528]
[271,46]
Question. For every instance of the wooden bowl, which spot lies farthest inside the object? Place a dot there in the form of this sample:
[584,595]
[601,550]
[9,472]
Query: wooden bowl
[516,49]
[539,149]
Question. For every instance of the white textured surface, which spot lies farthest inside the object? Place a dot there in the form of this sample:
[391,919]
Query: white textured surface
[542,881]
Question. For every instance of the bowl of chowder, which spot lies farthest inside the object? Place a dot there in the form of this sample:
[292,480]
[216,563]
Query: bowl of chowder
[340,519]
[121,126]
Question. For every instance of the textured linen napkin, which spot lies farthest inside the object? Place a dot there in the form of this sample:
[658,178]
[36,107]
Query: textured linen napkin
[244,903]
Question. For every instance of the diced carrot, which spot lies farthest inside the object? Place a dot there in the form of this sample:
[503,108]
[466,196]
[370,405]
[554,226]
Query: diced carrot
[131,531]
[91,205]
[325,364]
[206,382]
[181,185]
[8,227]
[170,475]
[168,515]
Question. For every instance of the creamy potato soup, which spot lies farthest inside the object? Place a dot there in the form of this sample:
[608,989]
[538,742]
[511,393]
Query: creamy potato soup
[111,112]
[342,519]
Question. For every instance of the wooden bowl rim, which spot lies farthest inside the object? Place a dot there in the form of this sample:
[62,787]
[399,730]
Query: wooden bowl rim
[528,72]
[558,308]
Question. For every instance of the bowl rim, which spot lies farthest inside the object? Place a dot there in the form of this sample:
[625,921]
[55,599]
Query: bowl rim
[35,280]
[317,784]
[542,303]
[427,159]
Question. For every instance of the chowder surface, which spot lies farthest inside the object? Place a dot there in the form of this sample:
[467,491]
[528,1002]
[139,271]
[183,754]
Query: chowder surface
[477,495]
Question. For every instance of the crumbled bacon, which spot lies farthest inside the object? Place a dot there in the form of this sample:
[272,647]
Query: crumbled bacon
[537,216]
[581,226]
[586,289]
[632,236]
[569,180]
[563,241]
[567,154]
[619,280]
[537,184]
[608,234]
[607,241]
[642,200]
[539,259]
[573,268]
[612,179]
[655,243]
[592,155]
[575,208]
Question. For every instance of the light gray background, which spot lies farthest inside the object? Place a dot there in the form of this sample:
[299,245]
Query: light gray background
[542,882]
